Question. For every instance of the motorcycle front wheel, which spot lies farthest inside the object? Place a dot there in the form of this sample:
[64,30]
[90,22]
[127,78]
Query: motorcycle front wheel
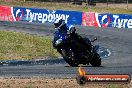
[70,58]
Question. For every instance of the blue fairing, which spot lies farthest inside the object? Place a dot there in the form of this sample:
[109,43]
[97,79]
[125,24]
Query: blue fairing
[61,33]
[58,35]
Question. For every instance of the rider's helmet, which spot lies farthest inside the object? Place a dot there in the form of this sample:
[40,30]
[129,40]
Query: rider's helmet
[59,23]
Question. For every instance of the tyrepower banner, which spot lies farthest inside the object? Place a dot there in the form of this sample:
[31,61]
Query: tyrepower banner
[39,15]
[114,20]
[5,13]
[107,20]
[43,15]
[71,17]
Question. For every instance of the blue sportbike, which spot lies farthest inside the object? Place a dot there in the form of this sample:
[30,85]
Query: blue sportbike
[75,52]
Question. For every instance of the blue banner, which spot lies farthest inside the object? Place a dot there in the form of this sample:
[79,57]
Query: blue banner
[46,16]
[114,20]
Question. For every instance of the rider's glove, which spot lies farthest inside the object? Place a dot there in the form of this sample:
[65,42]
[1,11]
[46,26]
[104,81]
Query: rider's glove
[71,30]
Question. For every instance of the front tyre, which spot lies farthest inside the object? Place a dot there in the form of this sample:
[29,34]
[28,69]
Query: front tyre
[70,58]
[96,60]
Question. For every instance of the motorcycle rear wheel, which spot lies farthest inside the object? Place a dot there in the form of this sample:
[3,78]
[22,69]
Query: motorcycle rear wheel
[96,60]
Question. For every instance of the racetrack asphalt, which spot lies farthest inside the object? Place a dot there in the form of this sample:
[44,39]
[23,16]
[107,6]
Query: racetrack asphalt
[118,41]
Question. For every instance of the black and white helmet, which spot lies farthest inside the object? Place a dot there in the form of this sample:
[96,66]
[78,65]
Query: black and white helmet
[58,23]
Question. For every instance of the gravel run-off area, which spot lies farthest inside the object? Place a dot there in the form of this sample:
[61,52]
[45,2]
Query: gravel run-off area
[53,83]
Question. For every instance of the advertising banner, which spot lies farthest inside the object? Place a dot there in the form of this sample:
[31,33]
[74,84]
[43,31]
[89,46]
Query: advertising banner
[114,20]
[71,17]
[106,20]
[5,13]
[46,16]
[89,19]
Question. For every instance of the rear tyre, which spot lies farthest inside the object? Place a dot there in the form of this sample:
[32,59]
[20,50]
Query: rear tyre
[96,60]
[70,58]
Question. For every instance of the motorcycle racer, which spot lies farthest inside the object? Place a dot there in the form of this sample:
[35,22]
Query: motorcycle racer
[65,29]
[74,48]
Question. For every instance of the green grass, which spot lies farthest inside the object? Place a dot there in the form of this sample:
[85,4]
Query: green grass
[112,8]
[15,45]
[115,86]
[28,86]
